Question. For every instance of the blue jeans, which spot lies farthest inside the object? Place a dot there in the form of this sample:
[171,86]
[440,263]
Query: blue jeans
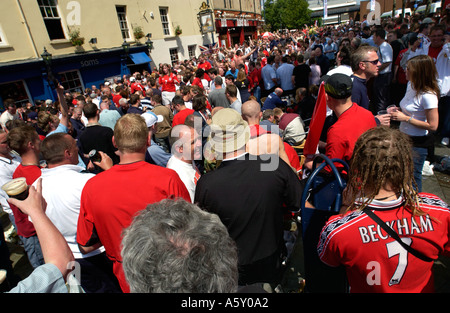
[33,249]
[419,156]
[257,94]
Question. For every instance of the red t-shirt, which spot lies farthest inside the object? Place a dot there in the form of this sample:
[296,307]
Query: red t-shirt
[167,82]
[24,227]
[374,261]
[255,77]
[205,66]
[180,117]
[342,135]
[105,212]
[401,75]
[294,160]
[197,82]
[434,52]
[256,130]
[116,99]
[135,87]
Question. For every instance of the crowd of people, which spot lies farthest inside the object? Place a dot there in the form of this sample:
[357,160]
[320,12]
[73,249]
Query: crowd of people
[181,179]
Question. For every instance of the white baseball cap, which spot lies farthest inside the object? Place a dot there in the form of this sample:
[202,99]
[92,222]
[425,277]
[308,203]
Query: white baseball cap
[151,118]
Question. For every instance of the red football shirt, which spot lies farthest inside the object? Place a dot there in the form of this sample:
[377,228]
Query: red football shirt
[256,130]
[342,135]
[434,52]
[105,211]
[205,66]
[401,75]
[180,117]
[168,82]
[374,261]
[24,227]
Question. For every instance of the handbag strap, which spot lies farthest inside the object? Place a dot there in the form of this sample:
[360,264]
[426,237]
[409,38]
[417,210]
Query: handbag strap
[394,235]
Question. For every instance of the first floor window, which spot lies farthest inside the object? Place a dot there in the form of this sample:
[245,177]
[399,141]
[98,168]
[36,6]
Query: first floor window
[122,16]
[191,51]
[163,12]
[52,20]
[173,55]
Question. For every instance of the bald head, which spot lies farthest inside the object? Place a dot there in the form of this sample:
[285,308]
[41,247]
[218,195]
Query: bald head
[251,112]
[279,91]
[186,143]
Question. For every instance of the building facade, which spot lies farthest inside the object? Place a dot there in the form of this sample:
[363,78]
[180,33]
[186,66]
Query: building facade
[81,43]
[338,11]
[236,20]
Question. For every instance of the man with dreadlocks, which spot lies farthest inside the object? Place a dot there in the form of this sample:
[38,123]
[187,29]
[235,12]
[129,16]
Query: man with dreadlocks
[381,183]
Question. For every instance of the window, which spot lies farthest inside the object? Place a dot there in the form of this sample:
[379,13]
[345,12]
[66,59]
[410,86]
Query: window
[122,16]
[173,55]
[225,4]
[16,91]
[191,51]
[52,21]
[163,12]
[71,81]
[3,41]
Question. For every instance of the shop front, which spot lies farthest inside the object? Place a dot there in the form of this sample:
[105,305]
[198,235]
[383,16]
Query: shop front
[235,29]
[27,81]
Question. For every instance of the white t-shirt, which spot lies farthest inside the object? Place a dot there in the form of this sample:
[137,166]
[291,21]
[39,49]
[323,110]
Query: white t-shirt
[342,69]
[61,188]
[7,168]
[187,172]
[6,116]
[386,54]
[415,106]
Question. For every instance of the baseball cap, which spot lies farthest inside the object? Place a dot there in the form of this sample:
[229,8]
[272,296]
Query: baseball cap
[151,118]
[412,38]
[339,86]
[229,132]
[427,20]
[32,115]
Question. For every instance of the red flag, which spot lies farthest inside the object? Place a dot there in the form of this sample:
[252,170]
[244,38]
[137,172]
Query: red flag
[228,38]
[317,122]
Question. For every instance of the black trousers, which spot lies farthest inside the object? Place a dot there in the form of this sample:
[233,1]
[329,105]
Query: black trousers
[267,270]
[97,275]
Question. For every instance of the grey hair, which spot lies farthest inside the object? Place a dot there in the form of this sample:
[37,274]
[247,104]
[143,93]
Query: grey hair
[174,247]
[359,55]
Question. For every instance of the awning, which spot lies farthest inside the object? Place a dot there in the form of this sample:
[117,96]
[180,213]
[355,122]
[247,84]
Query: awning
[140,58]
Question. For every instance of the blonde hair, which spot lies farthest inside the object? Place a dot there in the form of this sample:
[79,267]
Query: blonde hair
[241,75]
[131,133]
[43,120]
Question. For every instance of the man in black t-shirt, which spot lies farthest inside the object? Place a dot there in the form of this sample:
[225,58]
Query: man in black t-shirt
[301,73]
[250,194]
[96,136]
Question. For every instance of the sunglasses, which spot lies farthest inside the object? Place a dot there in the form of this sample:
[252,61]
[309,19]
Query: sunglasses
[374,62]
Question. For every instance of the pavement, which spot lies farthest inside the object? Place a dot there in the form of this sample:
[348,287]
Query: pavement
[438,183]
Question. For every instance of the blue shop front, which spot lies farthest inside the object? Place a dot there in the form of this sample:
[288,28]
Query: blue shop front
[28,80]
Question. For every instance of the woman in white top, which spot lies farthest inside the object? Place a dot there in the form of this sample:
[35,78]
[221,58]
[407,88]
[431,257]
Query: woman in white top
[314,79]
[419,109]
